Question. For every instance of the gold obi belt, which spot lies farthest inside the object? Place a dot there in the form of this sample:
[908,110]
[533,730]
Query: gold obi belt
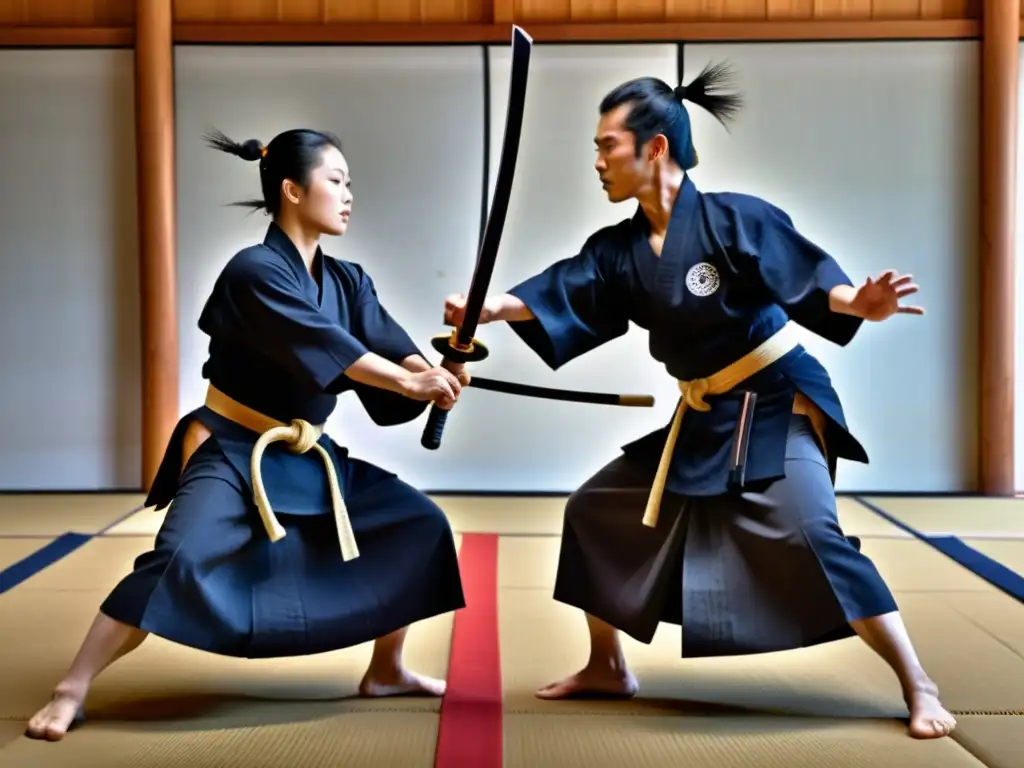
[300,436]
[719,383]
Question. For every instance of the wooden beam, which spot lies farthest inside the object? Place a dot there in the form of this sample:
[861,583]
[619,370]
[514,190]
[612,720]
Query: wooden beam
[305,34]
[66,37]
[413,33]
[999,83]
[154,76]
[503,11]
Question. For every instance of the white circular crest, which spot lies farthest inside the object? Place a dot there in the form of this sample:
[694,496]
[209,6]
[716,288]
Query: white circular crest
[702,279]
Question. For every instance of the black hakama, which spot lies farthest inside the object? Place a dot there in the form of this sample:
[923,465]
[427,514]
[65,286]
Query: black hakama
[214,580]
[739,577]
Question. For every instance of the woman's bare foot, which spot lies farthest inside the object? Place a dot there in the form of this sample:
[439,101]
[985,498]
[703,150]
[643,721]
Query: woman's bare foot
[928,718]
[53,721]
[593,681]
[399,682]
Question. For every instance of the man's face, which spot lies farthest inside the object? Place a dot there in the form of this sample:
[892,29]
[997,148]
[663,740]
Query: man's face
[623,175]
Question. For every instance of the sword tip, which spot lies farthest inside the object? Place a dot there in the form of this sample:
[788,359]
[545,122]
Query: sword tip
[517,30]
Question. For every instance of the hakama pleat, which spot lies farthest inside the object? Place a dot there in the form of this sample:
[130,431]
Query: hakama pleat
[738,577]
[214,581]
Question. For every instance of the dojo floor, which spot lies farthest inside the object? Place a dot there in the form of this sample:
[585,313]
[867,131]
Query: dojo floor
[838,706]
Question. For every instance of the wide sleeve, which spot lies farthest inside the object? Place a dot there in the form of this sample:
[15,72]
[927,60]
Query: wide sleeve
[383,336]
[261,305]
[799,275]
[577,303]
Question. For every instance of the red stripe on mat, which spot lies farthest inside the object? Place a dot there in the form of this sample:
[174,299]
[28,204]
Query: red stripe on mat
[470,732]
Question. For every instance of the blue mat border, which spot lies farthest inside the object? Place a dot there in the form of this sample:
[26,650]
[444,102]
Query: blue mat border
[52,552]
[995,573]
[962,553]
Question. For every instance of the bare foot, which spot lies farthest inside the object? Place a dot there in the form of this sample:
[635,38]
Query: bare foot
[53,721]
[928,718]
[593,682]
[400,682]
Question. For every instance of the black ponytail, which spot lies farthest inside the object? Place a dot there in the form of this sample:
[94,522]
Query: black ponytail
[704,89]
[291,155]
[250,150]
[656,108]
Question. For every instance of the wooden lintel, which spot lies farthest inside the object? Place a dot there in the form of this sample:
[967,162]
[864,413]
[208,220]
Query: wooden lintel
[398,33]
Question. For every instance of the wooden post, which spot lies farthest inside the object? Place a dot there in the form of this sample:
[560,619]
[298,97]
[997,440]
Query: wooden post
[1000,33]
[154,104]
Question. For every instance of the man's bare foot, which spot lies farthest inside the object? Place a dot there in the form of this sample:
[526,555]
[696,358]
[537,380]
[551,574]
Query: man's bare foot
[928,718]
[598,682]
[53,721]
[400,682]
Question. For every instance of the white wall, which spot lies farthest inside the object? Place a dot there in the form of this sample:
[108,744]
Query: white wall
[69,393]
[871,148]
[416,180]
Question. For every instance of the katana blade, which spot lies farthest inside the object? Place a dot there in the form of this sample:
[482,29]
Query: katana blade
[461,346]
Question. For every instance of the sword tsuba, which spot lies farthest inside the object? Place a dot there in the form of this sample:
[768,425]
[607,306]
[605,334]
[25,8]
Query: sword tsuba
[447,344]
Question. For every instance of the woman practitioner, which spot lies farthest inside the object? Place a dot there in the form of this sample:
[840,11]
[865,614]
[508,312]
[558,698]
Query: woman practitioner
[292,547]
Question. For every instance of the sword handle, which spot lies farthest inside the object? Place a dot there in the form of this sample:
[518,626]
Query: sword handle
[451,350]
[434,428]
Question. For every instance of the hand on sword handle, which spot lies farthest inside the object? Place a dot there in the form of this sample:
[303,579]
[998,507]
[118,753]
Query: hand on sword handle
[455,357]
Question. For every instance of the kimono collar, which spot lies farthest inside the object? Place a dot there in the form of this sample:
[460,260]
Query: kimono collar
[686,201]
[277,239]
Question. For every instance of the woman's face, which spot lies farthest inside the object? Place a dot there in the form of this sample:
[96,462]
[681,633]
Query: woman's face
[326,203]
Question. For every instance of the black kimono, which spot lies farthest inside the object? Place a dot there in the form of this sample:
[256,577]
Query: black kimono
[739,578]
[280,342]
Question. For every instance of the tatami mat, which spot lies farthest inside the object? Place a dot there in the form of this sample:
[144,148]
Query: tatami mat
[145,522]
[755,710]
[838,705]
[912,566]
[1008,552]
[1000,615]
[960,516]
[10,730]
[14,550]
[842,679]
[41,631]
[998,742]
[54,514]
[560,741]
[324,739]
[857,520]
[96,566]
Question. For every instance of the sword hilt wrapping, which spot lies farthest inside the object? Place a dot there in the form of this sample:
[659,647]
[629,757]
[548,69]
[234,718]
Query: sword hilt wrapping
[450,348]
[431,438]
